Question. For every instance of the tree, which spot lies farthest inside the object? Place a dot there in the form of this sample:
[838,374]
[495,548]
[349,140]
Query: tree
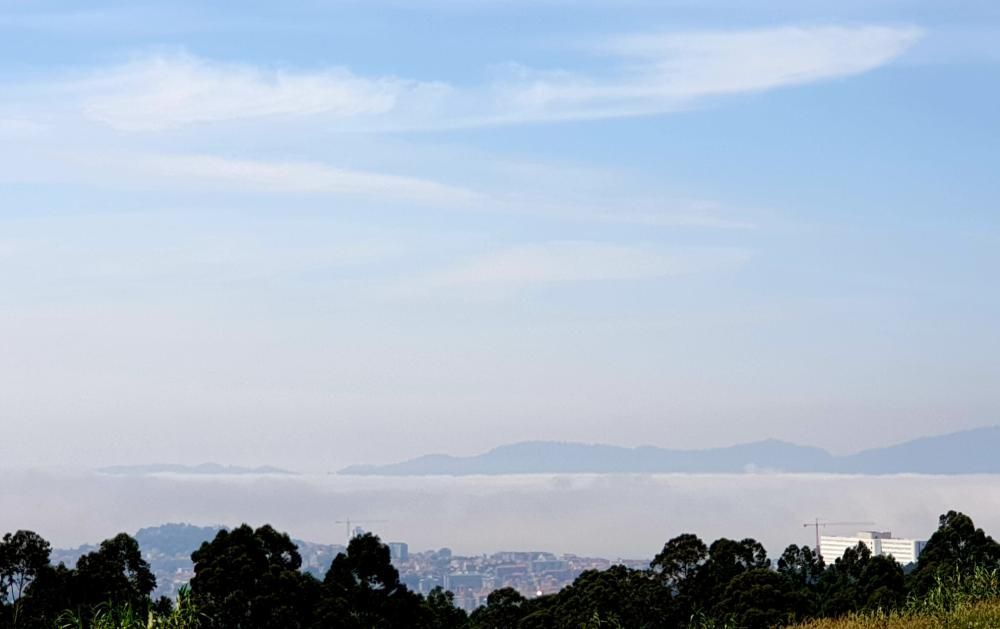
[956,548]
[633,598]
[362,589]
[761,598]
[503,610]
[48,595]
[726,560]
[802,565]
[882,584]
[248,578]
[441,610]
[23,556]
[858,581]
[679,559]
[804,569]
[838,586]
[677,567]
[116,573]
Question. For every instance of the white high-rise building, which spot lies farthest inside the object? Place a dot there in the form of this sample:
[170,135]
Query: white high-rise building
[905,551]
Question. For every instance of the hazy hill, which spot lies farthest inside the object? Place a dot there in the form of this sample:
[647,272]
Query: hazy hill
[174,539]
[174,468]
[972,451]
[168,549]
[966,452]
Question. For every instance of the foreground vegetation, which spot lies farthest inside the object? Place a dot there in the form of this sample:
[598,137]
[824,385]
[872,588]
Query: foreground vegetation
[959,601]
[250,578]
[981,616]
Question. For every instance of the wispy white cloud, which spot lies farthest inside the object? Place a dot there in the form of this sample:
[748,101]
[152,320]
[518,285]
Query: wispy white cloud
[705,63]
[665,72]
[647,74]
[573,261]
[626,210]
[201,170]
[531,189]
[650,74]
[162,92]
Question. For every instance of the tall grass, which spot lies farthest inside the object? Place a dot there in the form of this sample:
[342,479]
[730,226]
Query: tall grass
[104,616]
[185,615]
[702,620]
[956,601]
[956,591]
[983,615]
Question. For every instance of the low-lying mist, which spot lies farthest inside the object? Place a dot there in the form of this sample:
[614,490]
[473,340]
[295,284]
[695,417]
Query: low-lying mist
[615,516]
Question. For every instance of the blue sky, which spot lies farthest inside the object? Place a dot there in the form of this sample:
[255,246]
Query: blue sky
[317,233]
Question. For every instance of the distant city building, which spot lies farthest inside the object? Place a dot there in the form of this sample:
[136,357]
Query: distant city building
[548,565]
[470,578]
[428,583]
[905,551]
[506,571]
[412,582]
[399,552]
[456,582]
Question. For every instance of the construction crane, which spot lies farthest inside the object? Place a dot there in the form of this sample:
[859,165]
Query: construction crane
[347,526]
[817,524]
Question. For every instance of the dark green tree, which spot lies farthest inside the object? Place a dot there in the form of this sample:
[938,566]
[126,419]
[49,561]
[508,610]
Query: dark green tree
[503,610]
[50,594]
[677,566]
[679,559]
[362,589]
[761,598]
[955,549]
[442,612]
[882,584]
[802,565]
[804,569]
[726,560]
[23,556]
[838,585]
[115,573]
[632,598]
[858,581]
[541,613]
[248,578]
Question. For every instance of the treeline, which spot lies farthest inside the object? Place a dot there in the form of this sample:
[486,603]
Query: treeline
[251,578]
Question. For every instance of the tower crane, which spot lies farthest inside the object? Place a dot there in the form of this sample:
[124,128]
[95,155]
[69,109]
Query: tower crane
[816,524]
[348,522]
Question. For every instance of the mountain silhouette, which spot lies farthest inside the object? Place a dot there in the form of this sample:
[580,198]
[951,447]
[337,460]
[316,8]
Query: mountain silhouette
[967,452]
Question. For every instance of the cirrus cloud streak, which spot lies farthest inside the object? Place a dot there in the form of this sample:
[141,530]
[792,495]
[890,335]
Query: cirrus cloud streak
[649,74]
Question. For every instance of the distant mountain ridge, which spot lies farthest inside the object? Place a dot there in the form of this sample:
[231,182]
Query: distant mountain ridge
[174,468]
[967,452]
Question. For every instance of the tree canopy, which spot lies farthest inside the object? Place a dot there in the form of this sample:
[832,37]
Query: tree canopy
[248,578]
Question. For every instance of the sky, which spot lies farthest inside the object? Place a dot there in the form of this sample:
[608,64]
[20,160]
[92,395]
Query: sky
[312,234]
